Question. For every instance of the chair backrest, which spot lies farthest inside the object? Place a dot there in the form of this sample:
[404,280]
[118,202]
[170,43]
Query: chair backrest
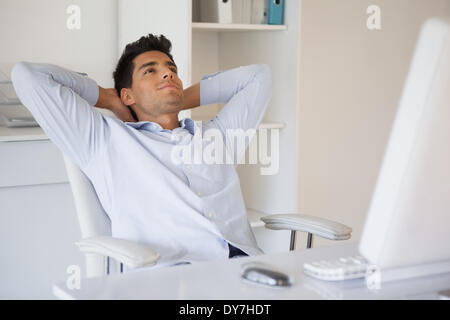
[92,218]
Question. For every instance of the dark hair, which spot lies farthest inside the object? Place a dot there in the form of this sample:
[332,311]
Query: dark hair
[124,69]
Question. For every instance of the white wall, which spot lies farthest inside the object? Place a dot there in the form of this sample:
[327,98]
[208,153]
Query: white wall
[137,18]
[159,17]
[36,31]
[351,81]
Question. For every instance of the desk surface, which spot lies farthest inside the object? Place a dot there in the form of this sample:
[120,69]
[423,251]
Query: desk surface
[22,134]
[220,280]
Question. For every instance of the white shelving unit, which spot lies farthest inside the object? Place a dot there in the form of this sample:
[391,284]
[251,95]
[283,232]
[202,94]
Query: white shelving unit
[205,48]
[230,27]
[272,125]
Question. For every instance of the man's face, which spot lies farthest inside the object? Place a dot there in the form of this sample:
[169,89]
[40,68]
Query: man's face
[156,88]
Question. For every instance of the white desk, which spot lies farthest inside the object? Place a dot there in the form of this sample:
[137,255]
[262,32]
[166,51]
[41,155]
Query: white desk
[220,280]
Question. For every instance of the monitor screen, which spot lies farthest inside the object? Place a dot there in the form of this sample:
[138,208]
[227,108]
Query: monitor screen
[408,221]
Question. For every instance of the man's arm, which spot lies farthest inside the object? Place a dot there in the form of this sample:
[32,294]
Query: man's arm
[213,93]
[61,102]
[109,99]
[246,91]
[192,97]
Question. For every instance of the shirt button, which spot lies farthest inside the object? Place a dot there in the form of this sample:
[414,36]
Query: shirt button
[199,193]
[188,166]
[210,78]
[210,214]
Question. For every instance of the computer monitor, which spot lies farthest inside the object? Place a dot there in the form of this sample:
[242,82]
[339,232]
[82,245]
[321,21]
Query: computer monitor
[408,221]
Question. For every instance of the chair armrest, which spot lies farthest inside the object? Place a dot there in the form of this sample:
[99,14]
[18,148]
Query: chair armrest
[300,222]
[130,253]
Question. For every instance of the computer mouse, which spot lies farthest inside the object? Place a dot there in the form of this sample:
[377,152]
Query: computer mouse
[265,275]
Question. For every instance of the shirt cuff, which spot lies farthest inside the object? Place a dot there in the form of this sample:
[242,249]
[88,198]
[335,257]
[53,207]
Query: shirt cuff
[91,91]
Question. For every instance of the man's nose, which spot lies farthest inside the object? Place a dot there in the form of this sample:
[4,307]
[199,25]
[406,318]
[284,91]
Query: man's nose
[168,73]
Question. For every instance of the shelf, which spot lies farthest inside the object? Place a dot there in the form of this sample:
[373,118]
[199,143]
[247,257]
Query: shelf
[233,27]
[263,125]
[272,125]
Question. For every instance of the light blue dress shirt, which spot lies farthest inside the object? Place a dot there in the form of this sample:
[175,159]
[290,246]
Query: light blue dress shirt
[186,212]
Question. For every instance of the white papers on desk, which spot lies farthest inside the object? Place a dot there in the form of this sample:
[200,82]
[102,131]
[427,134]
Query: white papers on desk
[7,93]
[4,78]
[13,122]
[16,116]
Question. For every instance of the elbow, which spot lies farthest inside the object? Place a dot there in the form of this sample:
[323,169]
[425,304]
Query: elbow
[23,78]
[20,71]
[265,76]
[265,68]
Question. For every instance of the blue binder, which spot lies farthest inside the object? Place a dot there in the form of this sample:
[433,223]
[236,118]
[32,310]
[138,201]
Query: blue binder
[276,10]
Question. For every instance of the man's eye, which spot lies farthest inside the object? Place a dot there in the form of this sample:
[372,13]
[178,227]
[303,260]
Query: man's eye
[152,70]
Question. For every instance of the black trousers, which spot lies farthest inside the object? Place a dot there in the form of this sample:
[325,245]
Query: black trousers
[234,252]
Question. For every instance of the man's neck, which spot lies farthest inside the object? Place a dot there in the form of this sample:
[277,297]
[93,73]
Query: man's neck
[166,121]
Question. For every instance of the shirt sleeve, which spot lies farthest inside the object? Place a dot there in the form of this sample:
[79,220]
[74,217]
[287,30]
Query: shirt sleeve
[246,91]
[61,102]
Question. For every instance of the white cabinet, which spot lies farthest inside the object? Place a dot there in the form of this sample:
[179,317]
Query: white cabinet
[38,223]
[204,48]
[30,163]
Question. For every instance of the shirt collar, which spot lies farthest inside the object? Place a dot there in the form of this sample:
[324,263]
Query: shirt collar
[186,123]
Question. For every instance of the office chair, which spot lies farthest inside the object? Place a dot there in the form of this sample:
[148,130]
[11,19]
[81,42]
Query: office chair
[99,246]
[97,243]
[294,222]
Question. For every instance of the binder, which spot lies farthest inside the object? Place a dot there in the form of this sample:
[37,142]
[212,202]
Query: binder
[246,11]
[236,6]
[196,11]
[242,10]
[259,11]
[219,11]
[276,10]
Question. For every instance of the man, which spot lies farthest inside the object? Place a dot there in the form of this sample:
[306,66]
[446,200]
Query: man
[186,212]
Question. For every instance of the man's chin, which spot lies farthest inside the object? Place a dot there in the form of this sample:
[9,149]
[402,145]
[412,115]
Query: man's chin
[175,108]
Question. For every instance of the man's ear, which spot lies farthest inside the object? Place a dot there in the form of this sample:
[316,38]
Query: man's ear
[127,97]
